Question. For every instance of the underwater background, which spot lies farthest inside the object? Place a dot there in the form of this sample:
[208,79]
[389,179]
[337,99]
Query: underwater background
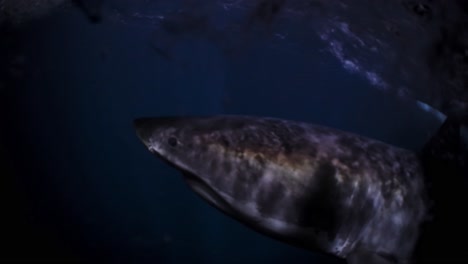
[77,184]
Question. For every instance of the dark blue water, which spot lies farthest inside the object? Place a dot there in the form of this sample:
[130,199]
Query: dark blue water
[80,185]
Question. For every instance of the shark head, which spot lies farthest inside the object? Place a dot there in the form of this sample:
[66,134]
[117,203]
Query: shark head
[223,159]
[194,147]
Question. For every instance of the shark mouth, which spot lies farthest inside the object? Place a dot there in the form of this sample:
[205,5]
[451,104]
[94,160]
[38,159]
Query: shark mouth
[200,187]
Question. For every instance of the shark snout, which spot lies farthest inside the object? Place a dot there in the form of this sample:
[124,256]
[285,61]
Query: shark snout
[150,129]
[144,129]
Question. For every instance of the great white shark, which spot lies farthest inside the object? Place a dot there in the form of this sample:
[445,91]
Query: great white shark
[311,186]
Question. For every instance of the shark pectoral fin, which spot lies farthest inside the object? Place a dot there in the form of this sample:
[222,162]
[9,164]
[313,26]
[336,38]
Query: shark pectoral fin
[361,256]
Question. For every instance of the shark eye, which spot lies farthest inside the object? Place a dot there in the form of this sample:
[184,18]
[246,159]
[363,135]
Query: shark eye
[172,141]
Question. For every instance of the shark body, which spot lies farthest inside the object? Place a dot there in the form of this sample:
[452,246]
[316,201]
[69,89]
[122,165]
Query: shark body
[307,185]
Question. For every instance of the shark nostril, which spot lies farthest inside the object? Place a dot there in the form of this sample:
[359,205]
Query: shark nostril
[172,141]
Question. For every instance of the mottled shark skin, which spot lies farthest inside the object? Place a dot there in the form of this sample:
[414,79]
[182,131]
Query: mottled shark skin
[311,186]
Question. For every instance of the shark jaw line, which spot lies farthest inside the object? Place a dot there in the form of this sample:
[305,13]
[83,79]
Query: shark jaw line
[204,190]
